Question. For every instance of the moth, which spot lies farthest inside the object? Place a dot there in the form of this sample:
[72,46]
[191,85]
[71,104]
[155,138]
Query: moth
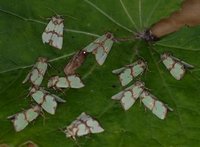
[176,67]
[128,96]
[72,81]
[101,47]
[53,34]
[157,107]
[76,61]
[35,76]
[83,125]
[45,99]
[22,119]
[129,72]
[28,143]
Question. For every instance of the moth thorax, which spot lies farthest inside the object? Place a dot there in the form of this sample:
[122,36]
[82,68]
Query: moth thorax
[42,59]
[165,56]
[53,81]
[141,63]
[33,89]
[37,108]
[145,93]
[109,35]
[139,83]
[71,131]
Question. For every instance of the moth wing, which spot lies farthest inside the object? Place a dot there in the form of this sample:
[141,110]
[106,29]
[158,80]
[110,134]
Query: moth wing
[75,81]
[20,122]
[160,110]
[102,52]
[125,77]
[118,71]
[32,113]
[127,100]
[57,37]
[46,35]
[148,101]
[42,67]
[83,116]
[94,126]
[137,70]
[178,71]
[119,95]
[62,83]
[27,78]
[183,62]
[36,78]
[137,91]
[38,96]
[94,45]
[49,104]
[58,99]
[82,130]
[168,62]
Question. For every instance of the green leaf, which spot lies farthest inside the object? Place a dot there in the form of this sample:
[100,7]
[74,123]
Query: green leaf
[22,24]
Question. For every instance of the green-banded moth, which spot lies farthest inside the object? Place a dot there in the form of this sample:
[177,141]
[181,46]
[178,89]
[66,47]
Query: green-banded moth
[128,96]
[157,107]
[76,61]
[83,125]
[35,76]
[22,119]
[176,67]
[129,72]
[45,99]
[101,47]
[72,81]
[53,34]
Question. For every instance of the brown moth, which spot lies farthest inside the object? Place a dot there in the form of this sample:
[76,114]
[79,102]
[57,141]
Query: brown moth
[76,61]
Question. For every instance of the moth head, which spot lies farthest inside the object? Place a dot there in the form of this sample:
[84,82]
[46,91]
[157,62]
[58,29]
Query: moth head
[142,63]
[165,55]
[71,132]
[109,35]
[139,83]
[57,19]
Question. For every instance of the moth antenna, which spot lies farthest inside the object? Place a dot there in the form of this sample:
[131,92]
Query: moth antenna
[137,54]
[45,18]
[76,142]
[140,57]
[159,61]
[61,129]
[43,115]
[59,89]
[66,15]
[53,67]
[195,77]
[52,10]
[148,89]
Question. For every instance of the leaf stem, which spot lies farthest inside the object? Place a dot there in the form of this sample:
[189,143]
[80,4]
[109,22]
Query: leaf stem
[109,17]
[41,22]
